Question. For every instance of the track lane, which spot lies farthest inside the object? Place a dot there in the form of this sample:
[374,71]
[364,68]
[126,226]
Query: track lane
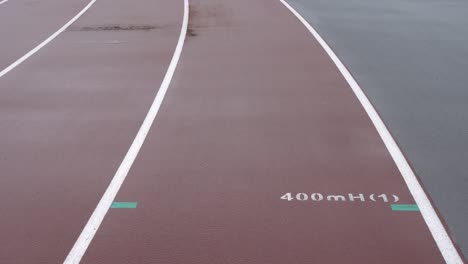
[68,116]
[257,110]
[86,236]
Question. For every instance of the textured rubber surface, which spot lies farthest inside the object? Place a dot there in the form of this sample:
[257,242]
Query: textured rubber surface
[261,153]
[257,109]
[68,116]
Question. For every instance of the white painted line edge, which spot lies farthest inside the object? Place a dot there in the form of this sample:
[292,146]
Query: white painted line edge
[45,42]
[4,1]
[436,227]
[86,236]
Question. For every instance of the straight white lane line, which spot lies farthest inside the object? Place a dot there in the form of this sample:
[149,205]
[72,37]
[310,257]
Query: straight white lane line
[45,42]
[438,231]
[4,1]
[86,236]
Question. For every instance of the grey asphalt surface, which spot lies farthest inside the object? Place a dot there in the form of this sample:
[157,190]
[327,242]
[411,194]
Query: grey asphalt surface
[411,59]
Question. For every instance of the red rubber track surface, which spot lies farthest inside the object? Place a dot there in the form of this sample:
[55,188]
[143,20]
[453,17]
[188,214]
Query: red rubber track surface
[257,109]
[68,115]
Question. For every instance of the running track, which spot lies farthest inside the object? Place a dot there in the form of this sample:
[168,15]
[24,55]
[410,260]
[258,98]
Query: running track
[255,109]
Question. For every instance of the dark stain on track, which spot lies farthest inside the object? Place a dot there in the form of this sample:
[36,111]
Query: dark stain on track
[191,32]
[115,28]
[205,15]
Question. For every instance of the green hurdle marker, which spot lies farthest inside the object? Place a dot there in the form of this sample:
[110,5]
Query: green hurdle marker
[131,205]
[405,207]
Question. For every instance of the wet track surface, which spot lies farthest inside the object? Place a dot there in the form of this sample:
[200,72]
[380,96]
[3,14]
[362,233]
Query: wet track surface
[260,153]
[68,116]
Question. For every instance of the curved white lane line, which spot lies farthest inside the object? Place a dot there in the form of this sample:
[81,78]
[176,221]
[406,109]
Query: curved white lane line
[45,42]
[104,204]
[438,231]
[4,1]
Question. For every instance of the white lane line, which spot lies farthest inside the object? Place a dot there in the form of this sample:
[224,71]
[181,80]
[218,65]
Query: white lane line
[4,1]
[438,231]
[45,42]
[83,241]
